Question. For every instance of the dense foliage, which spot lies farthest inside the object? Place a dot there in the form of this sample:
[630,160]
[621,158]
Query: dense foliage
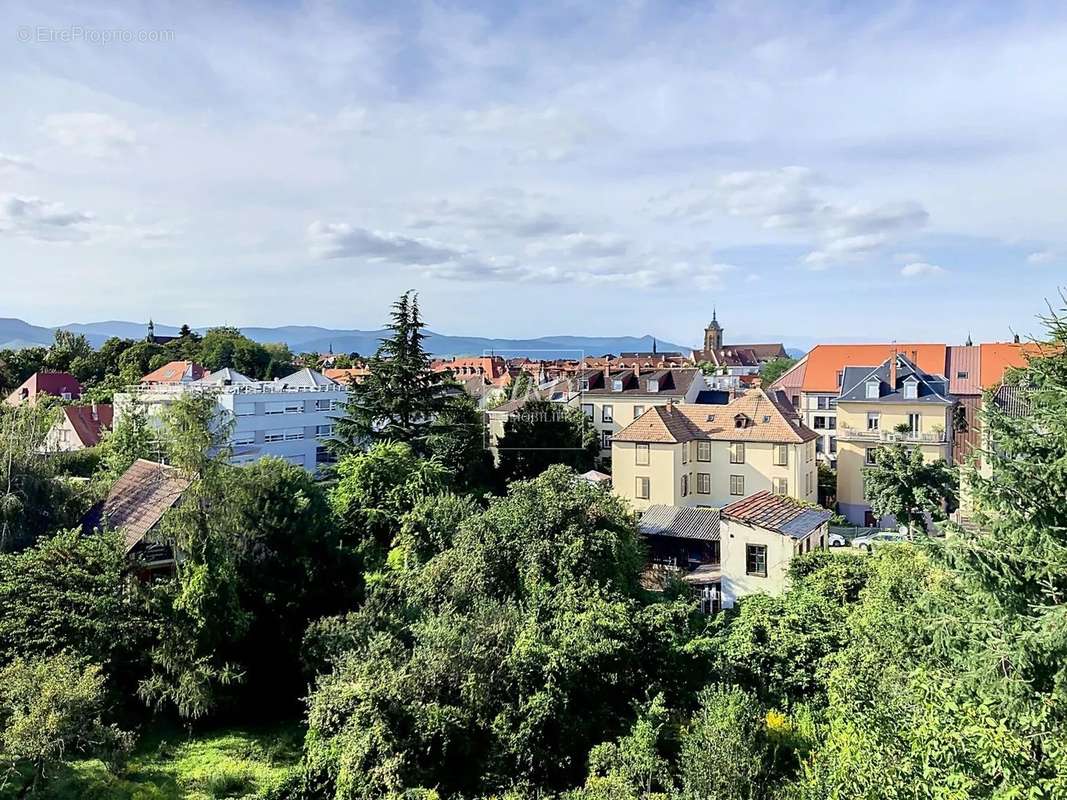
[449,643]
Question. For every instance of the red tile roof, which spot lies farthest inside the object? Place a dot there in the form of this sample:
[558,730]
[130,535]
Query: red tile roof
[777,513]
[175,372]
[997,357]
[89,422]
[52,383]
[825,361]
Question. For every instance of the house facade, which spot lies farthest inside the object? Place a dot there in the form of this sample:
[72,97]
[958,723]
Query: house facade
[79,427]
[712,455]
[291,418]
[612,399]
[881,405]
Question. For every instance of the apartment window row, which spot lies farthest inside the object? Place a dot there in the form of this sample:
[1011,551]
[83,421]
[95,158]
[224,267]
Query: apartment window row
[284,408]
[288,435]
[825,423]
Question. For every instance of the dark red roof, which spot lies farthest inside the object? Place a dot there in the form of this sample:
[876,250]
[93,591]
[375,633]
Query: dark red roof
[88,424]
[53,383]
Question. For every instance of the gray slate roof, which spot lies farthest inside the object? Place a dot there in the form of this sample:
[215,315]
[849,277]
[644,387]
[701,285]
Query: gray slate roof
[682,523]
[307,377]
[931,388]
[777,513]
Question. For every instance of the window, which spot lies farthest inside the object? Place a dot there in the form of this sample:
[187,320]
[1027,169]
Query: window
[823,403]
[781,455]
[872,389]
[685,486]
[911,389]
[820,423]
[641,455]
[323,455]
[737,485]
[244,438]
[962,375]
[703,451]
[796,402]
[737,452]
[274,436]
[293,434]
[638,411]
[605,440]
[756,560]
[583,384]
[244,410]
[915,423]
[685,452]
[652,386]
[323,405]
[831,423]
[587,409]
[740,421]
[294,408]
[324,430]
[607,414]
[872,420]
[779,486]
[274,408]
[868,456]
[616,385]
[643,488]
[833,444]
[840,375]
[818,445]
[703,483]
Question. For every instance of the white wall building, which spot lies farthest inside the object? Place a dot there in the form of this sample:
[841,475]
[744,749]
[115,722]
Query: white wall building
[290,418]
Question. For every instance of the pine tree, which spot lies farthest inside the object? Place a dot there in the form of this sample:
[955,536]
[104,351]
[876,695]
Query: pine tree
[402,396]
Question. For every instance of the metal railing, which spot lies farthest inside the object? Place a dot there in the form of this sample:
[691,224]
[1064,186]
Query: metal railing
[878,435]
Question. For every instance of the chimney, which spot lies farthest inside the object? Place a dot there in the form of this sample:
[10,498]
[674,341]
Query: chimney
[1016,339]
[670,405]
[637,369]
[893,371]
[96,413]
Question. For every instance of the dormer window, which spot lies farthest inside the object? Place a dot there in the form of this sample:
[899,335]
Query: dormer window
[911,389]
[616,385]
[740,421]
[652,385]
[872,389]
[840,376]
[583,384]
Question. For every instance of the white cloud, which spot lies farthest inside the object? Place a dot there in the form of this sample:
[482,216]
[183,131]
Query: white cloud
[91,134]
[1041,257]
[581,245]
[34,218]
[10,163]
[920,268]
[341,240]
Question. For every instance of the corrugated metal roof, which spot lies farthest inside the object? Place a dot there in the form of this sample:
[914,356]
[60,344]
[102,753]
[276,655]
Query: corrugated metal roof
[777,513]
[964,369]
[683,523]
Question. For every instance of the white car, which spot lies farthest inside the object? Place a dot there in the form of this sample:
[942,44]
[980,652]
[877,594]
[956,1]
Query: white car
[837,540]
[872,540]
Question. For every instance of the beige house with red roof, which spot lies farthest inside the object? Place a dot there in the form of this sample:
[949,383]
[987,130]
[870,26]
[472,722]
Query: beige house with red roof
[689,454]
[55,384]
[79,427]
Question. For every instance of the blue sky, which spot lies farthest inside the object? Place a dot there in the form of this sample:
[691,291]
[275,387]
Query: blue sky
[841,171]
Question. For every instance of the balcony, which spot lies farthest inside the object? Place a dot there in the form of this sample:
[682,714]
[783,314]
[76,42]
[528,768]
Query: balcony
[877,435]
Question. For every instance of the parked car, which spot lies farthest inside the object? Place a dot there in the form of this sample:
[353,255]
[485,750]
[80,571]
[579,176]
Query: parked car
[872,540]
[837,540]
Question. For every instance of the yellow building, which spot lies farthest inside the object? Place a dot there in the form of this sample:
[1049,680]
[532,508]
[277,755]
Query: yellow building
[612,399]
[895,402]
[711,455]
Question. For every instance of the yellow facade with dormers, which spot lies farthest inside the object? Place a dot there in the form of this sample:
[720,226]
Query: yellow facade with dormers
[712,455]
[862,428]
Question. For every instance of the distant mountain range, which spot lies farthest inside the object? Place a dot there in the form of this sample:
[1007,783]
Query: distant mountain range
[15,333]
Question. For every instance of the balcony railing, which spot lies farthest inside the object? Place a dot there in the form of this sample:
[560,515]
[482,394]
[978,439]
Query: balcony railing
[877,435]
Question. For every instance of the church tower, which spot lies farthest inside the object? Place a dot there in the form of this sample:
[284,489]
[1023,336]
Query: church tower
[713,334]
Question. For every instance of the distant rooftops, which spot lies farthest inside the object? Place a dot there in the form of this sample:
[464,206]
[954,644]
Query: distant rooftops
[176,372]
[56,384]
[897,379]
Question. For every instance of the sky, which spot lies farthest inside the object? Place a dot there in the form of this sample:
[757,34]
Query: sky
[827,171]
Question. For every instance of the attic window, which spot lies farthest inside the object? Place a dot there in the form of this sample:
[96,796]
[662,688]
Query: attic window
[653,385]
[962,376]
[583,384]
[711,418]
[872,390]
[840,375]
[740,421]
[616,385]
[766,419]
[911,389]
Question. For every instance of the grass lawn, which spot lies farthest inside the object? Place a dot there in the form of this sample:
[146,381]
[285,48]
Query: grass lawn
[169,764]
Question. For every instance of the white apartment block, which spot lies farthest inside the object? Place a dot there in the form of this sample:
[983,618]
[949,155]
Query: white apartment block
[290,418]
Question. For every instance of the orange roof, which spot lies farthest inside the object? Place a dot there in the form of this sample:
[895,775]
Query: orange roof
[826,360]
[346,375]
[999,356]
[175,372]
